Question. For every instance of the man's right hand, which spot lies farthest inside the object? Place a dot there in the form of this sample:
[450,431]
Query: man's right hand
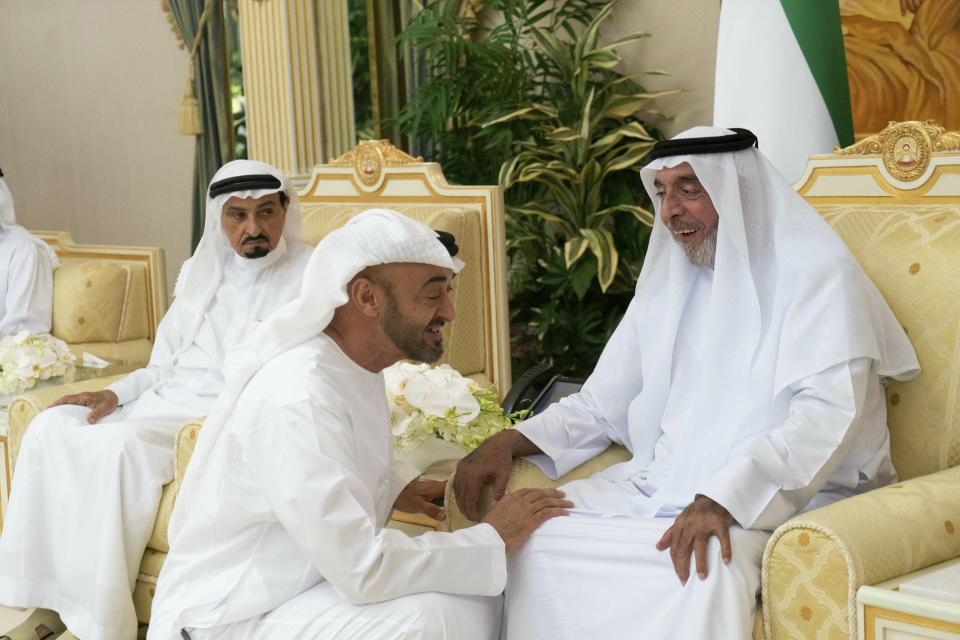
[490,462]
[101,403]
[517,515]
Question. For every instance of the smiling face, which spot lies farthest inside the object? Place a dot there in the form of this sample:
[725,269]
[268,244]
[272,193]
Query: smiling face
[417,306]
[254,226]
[688,212]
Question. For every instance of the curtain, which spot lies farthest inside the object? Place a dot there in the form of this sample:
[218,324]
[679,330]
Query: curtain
[214,145]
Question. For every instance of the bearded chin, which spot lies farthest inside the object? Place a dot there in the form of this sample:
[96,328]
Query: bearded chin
[705,254]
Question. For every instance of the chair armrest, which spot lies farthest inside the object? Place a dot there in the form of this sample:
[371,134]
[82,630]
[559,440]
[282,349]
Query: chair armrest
[813,564]
[25,408]
[525,474]
[184,446]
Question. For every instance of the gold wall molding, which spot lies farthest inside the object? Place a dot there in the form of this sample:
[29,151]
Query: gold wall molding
[297,82]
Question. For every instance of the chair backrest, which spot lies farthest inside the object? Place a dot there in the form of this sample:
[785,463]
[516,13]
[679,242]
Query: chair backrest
[377,175]
[106,293]
[894,198]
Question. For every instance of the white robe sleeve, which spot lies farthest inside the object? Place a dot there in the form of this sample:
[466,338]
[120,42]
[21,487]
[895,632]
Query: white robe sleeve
[168,341]
[304,463]
[582,425]
[29,300]
[783,470]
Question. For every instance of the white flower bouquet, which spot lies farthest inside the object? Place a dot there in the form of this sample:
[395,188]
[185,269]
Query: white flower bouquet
[27,358]
[438,403]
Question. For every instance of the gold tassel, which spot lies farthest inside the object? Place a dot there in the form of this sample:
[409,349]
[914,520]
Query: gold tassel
[189,122]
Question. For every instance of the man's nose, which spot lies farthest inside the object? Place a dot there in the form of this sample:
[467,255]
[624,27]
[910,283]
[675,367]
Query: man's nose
[446,312]
[251,226]
[669,207]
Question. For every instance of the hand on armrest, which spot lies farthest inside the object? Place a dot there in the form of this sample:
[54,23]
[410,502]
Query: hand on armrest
[490,462]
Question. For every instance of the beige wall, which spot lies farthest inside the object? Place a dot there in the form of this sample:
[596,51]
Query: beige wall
[89,93]
[682,42]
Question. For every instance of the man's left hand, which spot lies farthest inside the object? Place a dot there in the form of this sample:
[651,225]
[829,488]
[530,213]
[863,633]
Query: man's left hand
[418,496]
[691,532]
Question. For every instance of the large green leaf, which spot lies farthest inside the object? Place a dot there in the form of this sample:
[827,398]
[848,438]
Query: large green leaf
[563,134]
[573,249]
[602,59]
[642,215]
[588,40]
[554,49]
[603,247]
[581,276]
[537,210]
[639,35]
[534,111]
[623,106]
[627,157]
[608,141]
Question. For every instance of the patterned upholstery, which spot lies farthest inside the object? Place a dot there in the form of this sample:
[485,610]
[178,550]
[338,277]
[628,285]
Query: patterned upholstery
[910,252]
[110,307]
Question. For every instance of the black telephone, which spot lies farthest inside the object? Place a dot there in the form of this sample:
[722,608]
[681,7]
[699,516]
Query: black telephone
[537,389]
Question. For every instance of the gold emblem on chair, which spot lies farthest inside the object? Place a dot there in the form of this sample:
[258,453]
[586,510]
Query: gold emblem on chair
[370,157]
[906,147]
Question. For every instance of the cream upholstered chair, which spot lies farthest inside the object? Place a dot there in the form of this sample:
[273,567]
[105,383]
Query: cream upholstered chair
[107,301]
[895,200]
[375,174]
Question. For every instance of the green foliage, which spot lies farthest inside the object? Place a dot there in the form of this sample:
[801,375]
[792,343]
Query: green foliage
[535,102]
[360,69]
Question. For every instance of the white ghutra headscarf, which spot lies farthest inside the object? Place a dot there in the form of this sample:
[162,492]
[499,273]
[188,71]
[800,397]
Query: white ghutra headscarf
[201,275]
[788,301]
[8,224]
[374,237]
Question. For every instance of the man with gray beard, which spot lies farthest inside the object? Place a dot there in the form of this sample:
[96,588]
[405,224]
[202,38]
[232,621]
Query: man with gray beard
[745,379]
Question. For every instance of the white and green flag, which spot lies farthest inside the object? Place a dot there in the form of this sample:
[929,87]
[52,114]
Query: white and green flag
[781,72]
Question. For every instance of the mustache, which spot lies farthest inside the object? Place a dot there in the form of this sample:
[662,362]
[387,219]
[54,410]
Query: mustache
[676,224]
[257,238]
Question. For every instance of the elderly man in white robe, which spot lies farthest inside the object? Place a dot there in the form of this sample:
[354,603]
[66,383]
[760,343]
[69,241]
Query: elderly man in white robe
[746,380]
[90,471]
[278,531]
[26,274]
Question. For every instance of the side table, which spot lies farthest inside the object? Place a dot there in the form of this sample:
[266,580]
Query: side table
[887,613]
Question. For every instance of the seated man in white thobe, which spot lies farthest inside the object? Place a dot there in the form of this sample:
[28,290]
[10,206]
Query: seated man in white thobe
[89,475]
[746,380]
[26,274]
[278,530]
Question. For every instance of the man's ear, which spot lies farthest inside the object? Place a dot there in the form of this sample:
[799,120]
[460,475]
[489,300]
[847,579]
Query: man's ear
[366,296]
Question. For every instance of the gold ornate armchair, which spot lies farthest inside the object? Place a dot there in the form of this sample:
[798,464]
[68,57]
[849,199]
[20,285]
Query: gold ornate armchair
[107,301]
[895,200]
[375,174]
